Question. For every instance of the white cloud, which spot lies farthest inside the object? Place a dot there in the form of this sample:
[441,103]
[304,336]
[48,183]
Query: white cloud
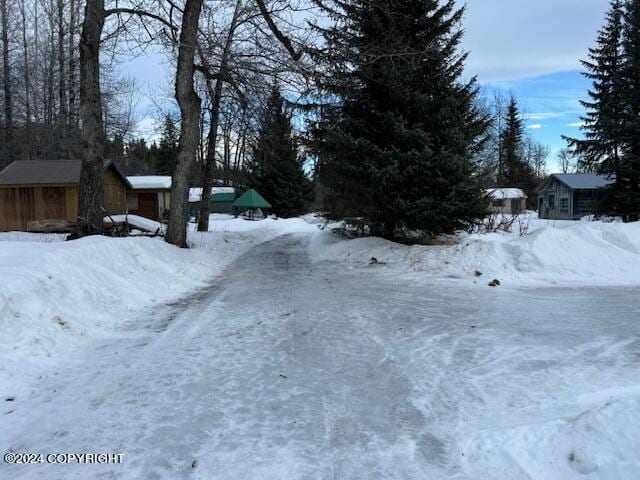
[536,126]
[510,39]
[546,115]
[576,124]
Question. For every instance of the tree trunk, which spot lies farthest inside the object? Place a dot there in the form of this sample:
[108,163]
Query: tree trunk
[71,64]
[50,103]
[90,213]
[8,99]
[212,140]
[62,89]
[27,84]
[189,104]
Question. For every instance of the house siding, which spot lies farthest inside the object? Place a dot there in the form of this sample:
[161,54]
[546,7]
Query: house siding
[580,202]
[551,201]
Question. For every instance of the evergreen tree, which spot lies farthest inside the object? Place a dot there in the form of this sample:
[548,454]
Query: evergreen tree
[516,171]
[611,145]
[601,148]
[624,196]
[397,150]
[115,148]
[167,152]
[276,170]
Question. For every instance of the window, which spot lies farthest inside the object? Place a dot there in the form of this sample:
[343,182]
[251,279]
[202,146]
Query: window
[564,205]
[498,203]
[552,201]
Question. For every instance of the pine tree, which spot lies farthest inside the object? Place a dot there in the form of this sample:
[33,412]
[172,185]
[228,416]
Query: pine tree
[276,170]
[167,152]
[612,125]
[601,148]
[516,172]
[624,197]
[397,150]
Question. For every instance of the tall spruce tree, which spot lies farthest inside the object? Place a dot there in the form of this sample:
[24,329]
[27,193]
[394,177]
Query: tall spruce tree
[516,171]
[276,170]
[625,194]
[167,152]
[397,149]
[601,147]
[611,145]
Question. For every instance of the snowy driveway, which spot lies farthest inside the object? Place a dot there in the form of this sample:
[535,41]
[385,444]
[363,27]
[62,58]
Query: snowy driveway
[288,369]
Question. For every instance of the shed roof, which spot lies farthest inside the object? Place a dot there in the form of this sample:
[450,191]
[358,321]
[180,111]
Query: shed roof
[223,197]
[505,193]
[34,172]
[150,182]
[251,199]
[585,181]
[196,193]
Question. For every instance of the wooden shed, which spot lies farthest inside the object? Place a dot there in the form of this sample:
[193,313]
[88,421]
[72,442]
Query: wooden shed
[48,190]
[507,201]
[571,196]
[150,196]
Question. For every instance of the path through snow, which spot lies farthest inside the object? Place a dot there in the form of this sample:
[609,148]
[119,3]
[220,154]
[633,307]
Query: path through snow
[289,369]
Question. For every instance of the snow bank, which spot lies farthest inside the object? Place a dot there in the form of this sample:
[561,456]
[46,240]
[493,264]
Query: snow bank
[602,442]
[55,295]
[566,253]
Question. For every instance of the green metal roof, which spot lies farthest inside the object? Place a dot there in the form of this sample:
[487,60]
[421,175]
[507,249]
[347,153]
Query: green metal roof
[251,199]
[223,197]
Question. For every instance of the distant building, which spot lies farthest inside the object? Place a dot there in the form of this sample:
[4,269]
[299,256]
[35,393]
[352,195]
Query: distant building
[221,199]
[571,196]
[150,196]
[32,191]
[508,201]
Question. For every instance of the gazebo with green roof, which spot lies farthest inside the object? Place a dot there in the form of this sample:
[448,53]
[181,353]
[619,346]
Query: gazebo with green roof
[251,200]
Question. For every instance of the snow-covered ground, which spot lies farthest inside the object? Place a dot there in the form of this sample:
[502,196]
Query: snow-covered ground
[275,350]
[57,295]
[551,253]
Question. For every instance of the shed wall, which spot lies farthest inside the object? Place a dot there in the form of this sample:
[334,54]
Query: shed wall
[552,201]
[21,204]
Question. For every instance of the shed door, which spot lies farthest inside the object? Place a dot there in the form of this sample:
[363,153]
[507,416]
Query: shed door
[148,205]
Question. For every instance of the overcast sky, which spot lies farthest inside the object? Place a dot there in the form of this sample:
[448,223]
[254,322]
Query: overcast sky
[529,47]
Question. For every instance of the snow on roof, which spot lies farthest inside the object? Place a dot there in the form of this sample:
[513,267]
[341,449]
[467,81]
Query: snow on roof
[505,193]
[584,180]
[150,182]
[196,193]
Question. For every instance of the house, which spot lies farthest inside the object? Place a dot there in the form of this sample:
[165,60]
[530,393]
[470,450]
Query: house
[36,190]
[507,201]
[221,199]
[150,196]
[571,196]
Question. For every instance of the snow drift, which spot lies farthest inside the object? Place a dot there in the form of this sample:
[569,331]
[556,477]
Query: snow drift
[564,253]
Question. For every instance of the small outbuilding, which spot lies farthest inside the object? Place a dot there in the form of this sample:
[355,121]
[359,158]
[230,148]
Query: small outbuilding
[149,196]
[221,199]
[507,201]
[37,190]
[251,201]
[571,196]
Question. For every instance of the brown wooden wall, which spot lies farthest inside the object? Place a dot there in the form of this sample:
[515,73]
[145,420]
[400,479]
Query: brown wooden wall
[114,193]
[21,204]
